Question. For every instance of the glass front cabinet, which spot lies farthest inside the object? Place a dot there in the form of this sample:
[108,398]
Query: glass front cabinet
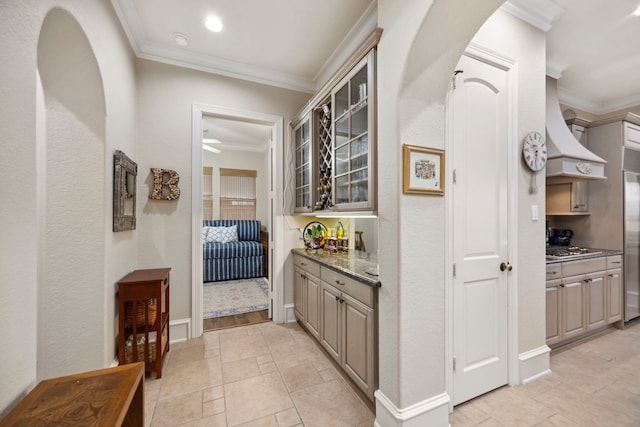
[354,184]
[333,145]
[302,152]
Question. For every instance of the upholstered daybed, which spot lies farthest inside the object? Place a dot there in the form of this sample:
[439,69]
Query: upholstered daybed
[232,250]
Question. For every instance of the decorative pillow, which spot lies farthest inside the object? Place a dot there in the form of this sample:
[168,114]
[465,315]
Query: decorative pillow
[220,234]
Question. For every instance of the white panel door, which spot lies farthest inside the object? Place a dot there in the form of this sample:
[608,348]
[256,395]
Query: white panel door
[480,136]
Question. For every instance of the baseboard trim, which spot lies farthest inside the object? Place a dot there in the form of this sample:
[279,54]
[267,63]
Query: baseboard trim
[180,330]
[289,314]
[429,412]
[534,363]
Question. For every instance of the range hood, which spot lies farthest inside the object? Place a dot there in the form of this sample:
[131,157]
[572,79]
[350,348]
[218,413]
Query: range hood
[568,160]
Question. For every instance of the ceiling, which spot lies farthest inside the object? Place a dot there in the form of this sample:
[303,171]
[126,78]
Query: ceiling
[591,44]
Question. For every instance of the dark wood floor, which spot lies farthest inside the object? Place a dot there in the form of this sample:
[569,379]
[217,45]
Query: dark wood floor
[235,320]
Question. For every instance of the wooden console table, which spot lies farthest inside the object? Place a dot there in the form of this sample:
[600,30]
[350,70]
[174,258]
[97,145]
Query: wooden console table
[107,397]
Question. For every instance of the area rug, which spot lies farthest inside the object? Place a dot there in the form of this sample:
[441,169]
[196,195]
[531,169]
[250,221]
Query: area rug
[235,297]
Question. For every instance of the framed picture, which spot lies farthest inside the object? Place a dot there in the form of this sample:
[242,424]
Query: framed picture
[423,171]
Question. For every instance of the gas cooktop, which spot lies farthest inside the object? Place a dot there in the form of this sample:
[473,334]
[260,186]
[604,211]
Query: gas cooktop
[569,252]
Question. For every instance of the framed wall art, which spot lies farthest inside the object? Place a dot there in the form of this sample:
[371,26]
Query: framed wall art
[125,171]
[423,171]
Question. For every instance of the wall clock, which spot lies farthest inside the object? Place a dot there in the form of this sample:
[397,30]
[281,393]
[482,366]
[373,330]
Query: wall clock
[534,153]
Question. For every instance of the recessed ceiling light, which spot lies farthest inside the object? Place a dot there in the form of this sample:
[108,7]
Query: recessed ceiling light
[213,23]
[210,141]
[637,11]
[180,39]
[213,150]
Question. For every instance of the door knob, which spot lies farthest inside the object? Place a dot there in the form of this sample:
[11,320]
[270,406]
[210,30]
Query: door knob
[505,266]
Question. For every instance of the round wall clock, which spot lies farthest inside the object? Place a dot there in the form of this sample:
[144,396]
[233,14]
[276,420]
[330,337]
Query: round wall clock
[534,151]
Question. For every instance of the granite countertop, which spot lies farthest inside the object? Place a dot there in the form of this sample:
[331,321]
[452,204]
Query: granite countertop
[600,253]
[361,266]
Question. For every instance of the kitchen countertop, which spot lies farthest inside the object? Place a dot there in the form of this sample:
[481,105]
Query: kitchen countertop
[601,253]
[355,264]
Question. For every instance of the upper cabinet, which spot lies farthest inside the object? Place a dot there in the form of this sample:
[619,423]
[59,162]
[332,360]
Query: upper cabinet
[303,157]
[333,141]
[353,149]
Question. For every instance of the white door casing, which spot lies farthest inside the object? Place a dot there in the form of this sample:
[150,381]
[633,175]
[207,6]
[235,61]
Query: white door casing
[480,207]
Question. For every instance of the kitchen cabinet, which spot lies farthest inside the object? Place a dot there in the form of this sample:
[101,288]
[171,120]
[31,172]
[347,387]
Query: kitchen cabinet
[582,296]
[333,141]
[307,294]
[348,328]
[354,183]
[303,161]
[339,312]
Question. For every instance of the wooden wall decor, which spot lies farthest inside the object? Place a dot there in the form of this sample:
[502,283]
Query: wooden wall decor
[125,173]
[165,184]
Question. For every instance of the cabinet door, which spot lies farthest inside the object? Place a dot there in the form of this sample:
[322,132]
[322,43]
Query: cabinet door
[353,138]
[330,329]
[596,301]
[614,295]
[312,314]
[299,286]
[579,189]
[573,319]
[553,311]
[303,152]
[357,343]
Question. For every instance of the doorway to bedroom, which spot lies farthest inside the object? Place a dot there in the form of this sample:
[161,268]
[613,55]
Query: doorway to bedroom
[236,183]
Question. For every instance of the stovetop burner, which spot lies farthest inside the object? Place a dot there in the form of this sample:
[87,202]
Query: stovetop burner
[560,252]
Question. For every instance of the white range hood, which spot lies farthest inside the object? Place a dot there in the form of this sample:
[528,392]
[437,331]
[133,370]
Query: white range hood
[568,160]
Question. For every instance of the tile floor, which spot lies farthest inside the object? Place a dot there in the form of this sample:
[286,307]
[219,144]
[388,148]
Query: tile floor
[274,375]
[260,375]
[595,383]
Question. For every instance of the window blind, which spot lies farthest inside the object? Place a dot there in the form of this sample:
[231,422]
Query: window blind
[237,194]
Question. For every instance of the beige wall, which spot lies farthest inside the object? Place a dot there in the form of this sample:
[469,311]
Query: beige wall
[32,298]
[165,97]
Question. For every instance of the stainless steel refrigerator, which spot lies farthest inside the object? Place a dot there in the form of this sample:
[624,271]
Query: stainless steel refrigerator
[631,216]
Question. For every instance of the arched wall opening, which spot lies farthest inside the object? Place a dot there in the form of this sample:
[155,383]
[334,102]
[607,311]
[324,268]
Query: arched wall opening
[71,142]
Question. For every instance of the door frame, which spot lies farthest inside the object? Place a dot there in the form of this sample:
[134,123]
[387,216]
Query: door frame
[498,60]
[276,256]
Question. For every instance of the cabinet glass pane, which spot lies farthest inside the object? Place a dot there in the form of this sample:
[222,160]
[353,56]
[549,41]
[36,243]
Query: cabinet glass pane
[305,131]
[342,131]
[298,177]
[306,174]
[359,122]
[342,189]
[359,87]
[342,159]
[342,101]
[302,196]
[359,152]
[359,186]
[298,137]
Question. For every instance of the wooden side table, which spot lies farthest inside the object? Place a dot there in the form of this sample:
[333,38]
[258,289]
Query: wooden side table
[143,318]
[264,240]
[106,397]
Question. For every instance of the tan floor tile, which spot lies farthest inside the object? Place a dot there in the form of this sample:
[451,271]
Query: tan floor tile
[218,420]
[239,370]
[213,407]
[513,409]
[265,368]
[288,418]
[265,358]
[330,404]
[178,410]
[329,374]
[255,398]
[212,393]
[301,376]
[237,347]
[268,421]
[468,414]
[192,376]
[557,420]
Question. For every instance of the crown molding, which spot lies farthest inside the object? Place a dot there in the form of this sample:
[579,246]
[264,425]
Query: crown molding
[575,100]
[539,13]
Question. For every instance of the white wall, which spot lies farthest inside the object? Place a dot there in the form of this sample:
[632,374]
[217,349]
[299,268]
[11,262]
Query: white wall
[421,44]
[24,193]
[166,94]
[250,160]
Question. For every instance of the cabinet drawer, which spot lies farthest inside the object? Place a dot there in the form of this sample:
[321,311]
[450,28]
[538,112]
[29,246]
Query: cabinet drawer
[554,271]
[614,262]
[573,268]
[353,288]
[307,265]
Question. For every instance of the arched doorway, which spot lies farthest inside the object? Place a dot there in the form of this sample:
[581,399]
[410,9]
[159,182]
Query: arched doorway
[70,118]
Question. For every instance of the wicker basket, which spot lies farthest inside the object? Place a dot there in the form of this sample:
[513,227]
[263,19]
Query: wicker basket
[128,348]
[139,315]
